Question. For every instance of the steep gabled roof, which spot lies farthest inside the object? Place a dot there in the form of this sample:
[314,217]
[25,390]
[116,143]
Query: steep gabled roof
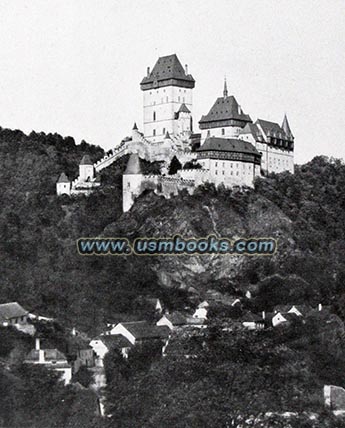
[63,178]
[133,165]
[273,129]
[225,108]
[228,145]
[286,127]
[11,310]
[251,128]
[143,330]
[86,160]
[167,69]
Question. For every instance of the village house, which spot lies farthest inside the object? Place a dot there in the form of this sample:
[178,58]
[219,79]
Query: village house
[252,321]
[12,313]
[299,310]
[284,318]
[101,345]
[173,320]
[138,332]
[200,313]
[51,359]
[80,353]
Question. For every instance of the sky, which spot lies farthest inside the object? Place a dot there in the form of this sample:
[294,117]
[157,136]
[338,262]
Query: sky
[74,66]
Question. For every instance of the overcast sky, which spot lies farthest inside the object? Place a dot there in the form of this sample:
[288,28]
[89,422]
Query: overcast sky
[74,66]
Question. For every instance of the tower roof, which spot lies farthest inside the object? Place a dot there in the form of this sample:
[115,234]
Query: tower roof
[216,144]
[63,178]
[225,91]
[135,126]
[286,126]
[167,71]
[224,109]
[183,109]
[133,165]
[273,129]
[86,160]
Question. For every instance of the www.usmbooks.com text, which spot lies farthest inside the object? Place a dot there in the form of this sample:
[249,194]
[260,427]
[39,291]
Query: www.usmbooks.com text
[176,245]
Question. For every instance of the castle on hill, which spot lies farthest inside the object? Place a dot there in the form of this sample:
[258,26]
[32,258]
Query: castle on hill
[230,149]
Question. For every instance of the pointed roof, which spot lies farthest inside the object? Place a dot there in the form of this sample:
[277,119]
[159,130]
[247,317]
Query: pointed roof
[133,165]
[167,71]
[224,109]
[63,178]
[286,126]
[167,136]
[135,126]
[183,109]
[225,91]
[273,129]
[86,160]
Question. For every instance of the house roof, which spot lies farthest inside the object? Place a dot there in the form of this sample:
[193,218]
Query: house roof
[225,108]
[86,160]
[49,355]
[290,316]
[11,310]
[167,68]
[133,165]
[176,318]
[143,330]
[273,129]
[251,128]
[63,178]
[228,145]
[115,341]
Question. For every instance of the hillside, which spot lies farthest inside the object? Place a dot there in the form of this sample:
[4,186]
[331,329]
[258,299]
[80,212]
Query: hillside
[305,212]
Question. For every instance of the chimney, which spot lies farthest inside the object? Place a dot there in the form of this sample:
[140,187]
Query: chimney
[263,315]
[320,307]
[148,71]
[41,356]
[37,344]
[186,69]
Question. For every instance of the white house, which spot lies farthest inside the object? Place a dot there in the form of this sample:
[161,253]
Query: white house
[282,318]
[101,345]
[200,313]
[52,359]
[176,319]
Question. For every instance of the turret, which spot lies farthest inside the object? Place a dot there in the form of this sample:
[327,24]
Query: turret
[131,183]
[286,127]
[86,169]
[63,185]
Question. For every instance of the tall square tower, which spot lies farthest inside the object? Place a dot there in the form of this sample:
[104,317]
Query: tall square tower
[167,99]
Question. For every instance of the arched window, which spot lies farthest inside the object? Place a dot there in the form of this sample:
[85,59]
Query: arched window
[154,115]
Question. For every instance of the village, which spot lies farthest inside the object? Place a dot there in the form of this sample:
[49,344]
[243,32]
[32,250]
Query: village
[161,327]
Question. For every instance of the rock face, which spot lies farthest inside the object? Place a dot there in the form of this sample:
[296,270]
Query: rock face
[243,215]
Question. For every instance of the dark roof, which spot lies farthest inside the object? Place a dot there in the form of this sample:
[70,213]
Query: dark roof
[86,160]
[282,308]
[183,109]
[176,318]
[167,69]
[63,178]
[228,145]
[290,316]
[49,355]
[273,129]
[115,341]
[133,165]
[251,128]
[225,108]
[143,330]
[11,310]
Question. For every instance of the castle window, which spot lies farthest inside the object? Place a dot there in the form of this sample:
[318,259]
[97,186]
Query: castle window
[128,184]
[154,132]
[223,131]
[154,115]
[179,99]
[216,163]
[208,133]
[216,173]
[223,172]
[163,131]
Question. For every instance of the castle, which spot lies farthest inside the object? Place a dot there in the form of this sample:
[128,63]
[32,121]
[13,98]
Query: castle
[230,149]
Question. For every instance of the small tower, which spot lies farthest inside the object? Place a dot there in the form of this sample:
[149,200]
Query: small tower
[225,91]
[86,169]
[184,121]
[63,185]
[131,182]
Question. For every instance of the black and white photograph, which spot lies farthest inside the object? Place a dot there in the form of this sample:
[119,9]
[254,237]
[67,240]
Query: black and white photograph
[172,214]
